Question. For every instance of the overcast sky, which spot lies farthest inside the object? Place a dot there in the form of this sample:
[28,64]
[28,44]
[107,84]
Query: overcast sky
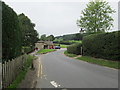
[57,17]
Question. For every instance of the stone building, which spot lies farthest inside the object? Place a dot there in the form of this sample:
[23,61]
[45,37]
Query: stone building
[44,45]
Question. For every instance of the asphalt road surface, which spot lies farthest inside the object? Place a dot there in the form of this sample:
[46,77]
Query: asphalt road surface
[60,71]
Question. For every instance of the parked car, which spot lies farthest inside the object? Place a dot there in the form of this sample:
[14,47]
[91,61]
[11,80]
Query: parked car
[57,47]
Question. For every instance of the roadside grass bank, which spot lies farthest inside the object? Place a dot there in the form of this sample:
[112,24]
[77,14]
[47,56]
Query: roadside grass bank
[102,62]
[69,55]
[22,74]
[43,51]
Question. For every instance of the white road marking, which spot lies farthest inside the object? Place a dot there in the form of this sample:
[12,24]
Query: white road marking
[55,84]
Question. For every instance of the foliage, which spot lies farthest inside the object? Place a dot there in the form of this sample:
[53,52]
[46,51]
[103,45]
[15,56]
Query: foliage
[104,45]
[96,17]
[11,33]
[69,55]
[76,36]
[47,38]
[27,49]
[43,37]
[50,38]
[29,34]
[74,49]
[68,42]
[22,74]
[43,51]
[108,63]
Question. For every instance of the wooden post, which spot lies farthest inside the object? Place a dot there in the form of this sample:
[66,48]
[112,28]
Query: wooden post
[3,75]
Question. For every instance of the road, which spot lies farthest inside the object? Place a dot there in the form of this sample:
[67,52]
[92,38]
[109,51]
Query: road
[60,71]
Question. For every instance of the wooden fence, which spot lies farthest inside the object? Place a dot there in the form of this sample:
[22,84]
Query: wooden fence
[11,69]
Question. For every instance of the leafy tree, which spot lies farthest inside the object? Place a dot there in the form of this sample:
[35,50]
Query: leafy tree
[43,37]
[96,17]
[50,38]
[11,33]
[29,34]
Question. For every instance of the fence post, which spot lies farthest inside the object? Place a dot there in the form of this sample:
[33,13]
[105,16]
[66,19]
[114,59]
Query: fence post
[3,75]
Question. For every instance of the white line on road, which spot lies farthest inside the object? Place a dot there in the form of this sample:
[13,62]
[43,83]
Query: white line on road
[55,84]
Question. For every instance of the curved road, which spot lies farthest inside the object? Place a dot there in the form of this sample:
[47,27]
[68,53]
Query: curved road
[60,71]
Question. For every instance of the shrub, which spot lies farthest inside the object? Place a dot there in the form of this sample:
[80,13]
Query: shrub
[27,49]
[104,45]
[74,49]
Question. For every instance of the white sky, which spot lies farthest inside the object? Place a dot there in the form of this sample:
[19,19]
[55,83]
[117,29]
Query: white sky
[57,17]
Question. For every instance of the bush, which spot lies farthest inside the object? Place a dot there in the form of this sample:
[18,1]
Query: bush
[104,45]
[74,49]
[27,49]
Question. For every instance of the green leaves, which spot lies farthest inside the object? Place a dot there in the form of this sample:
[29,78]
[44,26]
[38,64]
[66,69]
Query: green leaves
[11,33]
[29,34]
[96,17]
[103,45]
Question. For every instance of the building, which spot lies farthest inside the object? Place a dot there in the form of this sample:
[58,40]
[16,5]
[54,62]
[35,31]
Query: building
[44,45]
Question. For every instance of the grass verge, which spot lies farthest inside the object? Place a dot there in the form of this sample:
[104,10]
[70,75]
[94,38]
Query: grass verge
[22,74]
[69,55]
[102,62]
[43,51]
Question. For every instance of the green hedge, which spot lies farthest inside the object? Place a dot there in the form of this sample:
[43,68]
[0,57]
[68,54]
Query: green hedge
[11,34]
[74,49]
[104,45]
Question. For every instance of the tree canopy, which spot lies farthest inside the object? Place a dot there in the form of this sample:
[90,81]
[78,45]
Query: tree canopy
[96,17]
[11,33]
[29,34]
[47,38]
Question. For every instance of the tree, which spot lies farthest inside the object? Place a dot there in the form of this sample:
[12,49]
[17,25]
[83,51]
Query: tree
[11,33]
[43,37]
[29,34]
[50,38]
[96,17]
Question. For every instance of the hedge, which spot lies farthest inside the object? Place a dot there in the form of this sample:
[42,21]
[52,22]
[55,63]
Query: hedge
[27,49]
[74,49]
[11,33]
[104,45]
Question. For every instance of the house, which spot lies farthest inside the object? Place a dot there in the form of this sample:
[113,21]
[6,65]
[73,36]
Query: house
[44,45]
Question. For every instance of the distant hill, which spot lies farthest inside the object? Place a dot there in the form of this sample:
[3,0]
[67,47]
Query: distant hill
[76,36]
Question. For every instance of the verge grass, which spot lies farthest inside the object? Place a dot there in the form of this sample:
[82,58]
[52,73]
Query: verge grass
[102,62]
[22,74]
[43,51]
[69,55]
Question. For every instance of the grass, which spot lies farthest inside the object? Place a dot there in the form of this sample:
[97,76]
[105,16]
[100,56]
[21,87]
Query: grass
[102,62]
[22,74]
[69,55]
[43,51]
[75,41]
[63,46]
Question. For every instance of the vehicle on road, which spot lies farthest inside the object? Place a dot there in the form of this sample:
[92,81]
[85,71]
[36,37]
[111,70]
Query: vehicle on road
[57,47]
